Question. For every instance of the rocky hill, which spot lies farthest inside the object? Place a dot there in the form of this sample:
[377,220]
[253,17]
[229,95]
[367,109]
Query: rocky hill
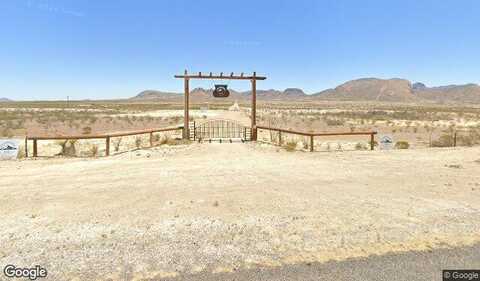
[156,95]
[469,93]
[370,89]
[366,89]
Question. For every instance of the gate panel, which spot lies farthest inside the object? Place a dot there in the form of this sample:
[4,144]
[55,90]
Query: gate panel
[219,129]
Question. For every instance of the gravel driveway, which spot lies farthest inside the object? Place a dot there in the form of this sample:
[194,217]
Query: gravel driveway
[212,208]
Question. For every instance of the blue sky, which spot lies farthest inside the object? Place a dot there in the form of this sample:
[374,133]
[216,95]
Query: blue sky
[112,49]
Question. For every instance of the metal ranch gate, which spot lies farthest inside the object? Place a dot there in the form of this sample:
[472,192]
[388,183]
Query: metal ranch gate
[219,129]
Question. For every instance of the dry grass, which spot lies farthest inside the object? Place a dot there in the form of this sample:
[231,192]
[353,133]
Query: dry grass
[116,144]
[360,146]
[68,148]
[138,141]
[291,146]
[402,145]
[94,150]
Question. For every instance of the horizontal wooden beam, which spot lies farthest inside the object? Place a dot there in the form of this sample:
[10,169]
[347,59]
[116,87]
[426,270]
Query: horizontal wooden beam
[317,134]
[103,136]
[223,77]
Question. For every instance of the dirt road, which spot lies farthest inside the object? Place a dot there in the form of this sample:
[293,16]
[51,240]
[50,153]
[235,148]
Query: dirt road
[224,207]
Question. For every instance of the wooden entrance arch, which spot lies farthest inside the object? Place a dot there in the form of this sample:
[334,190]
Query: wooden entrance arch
[253,79]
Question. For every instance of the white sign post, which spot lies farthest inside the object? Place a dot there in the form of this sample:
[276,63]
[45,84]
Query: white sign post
[8,149]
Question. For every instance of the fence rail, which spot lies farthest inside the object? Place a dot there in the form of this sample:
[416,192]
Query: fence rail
[312,135]
[107,137]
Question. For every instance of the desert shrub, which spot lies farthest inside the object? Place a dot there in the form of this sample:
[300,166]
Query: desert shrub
[179,142]
[116,144]
[291,145]
[305,143]
[21,152]
[334,122]
[339,146]
[138,142]
[94,150]
[86,130]
[402,145]
[7,132]
[360,146]
[165,140]
[68,147]
[470,139]
[445,140]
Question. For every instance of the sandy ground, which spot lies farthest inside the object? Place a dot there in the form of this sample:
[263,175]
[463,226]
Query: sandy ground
[214,208]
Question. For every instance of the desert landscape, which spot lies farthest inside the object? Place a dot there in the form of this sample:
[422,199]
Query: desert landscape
[176,209]
[413,115]
[239,140]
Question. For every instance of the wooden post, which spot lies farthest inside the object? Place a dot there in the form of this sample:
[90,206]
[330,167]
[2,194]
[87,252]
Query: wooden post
[151,139]
[372,141]
[186,118]
[280,138]
[107,146]
[311,143]
[35,154]
[455,139]
[26,147]
[254,107]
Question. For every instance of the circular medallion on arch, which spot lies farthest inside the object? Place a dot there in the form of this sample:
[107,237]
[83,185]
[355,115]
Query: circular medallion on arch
[221,91]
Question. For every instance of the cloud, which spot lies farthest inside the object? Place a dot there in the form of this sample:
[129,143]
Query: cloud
[48,6]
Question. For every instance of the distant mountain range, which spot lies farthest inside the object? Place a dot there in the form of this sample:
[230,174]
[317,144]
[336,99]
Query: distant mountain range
[5,100]
[366,89]
[200,94]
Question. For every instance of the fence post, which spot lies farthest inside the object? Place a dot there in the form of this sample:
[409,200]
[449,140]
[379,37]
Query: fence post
[280,138]
[107,146]
[35,148]
[26,147]
[311,143]
[372,141]
[194,131]
[455,139]
[151,139]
